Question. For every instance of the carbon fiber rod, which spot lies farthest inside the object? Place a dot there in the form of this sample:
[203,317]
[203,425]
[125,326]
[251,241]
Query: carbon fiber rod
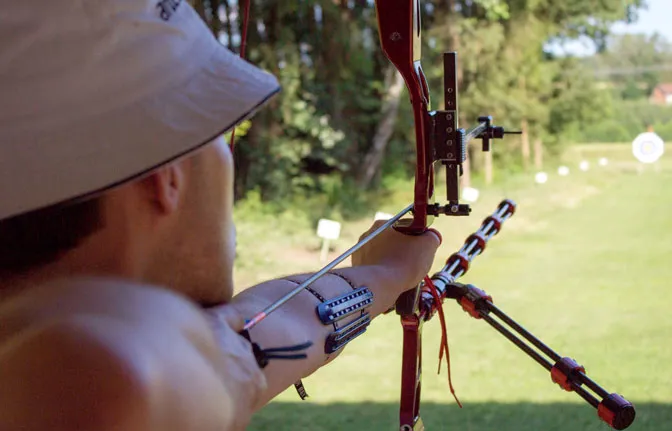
[615,410]
[458,263]
[582,377]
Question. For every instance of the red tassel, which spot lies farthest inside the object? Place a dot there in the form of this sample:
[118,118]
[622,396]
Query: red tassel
[444,336]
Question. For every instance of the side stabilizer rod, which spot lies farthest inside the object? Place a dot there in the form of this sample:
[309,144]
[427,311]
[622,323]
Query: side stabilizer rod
[612,408]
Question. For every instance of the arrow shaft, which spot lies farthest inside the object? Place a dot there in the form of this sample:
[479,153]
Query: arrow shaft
[331,265]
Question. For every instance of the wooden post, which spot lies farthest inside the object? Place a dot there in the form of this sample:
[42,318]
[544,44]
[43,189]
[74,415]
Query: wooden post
[525,144]
[488,167]
[324,253]
[538,154]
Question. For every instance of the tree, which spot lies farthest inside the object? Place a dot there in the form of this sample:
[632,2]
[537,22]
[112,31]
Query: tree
[343,113]
[634,63]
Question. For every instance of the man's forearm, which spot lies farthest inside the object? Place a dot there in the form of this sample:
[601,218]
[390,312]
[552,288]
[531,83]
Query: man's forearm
[296,322]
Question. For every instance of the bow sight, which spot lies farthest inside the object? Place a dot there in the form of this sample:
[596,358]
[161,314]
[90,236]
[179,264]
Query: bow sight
[449,143]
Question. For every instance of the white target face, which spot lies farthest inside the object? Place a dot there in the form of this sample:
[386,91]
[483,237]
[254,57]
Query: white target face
[541,177]
[648,147]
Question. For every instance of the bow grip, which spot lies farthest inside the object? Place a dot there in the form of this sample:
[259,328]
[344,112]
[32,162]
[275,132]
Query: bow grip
[407,303]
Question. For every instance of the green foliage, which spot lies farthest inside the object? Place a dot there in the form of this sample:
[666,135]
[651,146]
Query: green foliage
[627,71]
[575,18]
[314,139]
[577,101]
[629,118]
[633,91]
[495,9]
[633,60]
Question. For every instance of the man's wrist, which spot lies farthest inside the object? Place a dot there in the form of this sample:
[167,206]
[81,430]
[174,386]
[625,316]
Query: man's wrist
[387,283]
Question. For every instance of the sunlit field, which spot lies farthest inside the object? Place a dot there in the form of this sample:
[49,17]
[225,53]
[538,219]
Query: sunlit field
[585,264]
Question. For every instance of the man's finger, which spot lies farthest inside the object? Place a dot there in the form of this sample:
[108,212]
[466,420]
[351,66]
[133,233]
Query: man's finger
[230,316]
[436,234]
[376,224]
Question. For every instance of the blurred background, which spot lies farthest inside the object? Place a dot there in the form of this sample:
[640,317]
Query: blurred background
[584,263]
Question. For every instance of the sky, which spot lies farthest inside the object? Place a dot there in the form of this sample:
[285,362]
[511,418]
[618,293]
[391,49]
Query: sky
[657,17]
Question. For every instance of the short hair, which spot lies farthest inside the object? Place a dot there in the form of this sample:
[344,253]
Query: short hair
[34,239]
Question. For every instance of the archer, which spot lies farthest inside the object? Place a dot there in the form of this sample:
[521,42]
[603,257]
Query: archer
[116,232]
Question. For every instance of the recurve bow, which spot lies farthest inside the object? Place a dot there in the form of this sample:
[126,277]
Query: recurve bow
[438,138]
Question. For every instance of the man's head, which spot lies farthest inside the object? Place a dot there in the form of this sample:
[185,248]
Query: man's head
[190,204]
[172,227]
[121,100]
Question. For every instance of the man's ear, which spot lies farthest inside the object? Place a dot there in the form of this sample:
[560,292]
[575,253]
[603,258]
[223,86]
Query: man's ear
[166,186]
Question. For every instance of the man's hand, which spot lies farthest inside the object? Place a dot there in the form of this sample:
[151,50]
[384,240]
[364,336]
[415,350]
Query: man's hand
[408,257]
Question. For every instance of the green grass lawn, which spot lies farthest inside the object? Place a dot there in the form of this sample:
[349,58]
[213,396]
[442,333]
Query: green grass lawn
[585,264]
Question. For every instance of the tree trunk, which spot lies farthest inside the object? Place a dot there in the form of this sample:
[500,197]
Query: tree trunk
[525,144]
[488,167]
[243,163]
[199,7]
[227,24]
[214,23]
[538,154]
[385,128]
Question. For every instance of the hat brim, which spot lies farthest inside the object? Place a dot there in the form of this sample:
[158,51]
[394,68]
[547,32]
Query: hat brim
[107,149]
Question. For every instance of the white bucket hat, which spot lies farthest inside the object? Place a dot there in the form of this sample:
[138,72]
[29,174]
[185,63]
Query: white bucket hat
[95,93]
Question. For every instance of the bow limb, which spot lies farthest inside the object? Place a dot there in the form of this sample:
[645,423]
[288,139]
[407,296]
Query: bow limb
[399,30]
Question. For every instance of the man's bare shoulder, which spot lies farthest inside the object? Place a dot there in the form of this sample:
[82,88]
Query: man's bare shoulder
[75,372]
[115,298]
[91,354]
